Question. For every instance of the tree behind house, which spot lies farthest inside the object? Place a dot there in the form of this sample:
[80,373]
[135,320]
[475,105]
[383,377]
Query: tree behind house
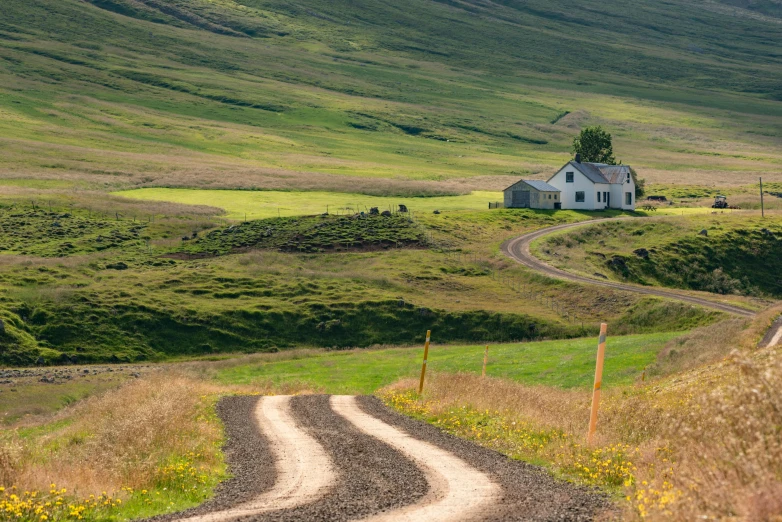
[594,145]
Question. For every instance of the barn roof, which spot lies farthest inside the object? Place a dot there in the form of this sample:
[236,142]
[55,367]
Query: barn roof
[540,185]
[537,184]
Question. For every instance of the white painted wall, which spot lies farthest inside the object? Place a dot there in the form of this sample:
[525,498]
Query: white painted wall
[580,183]
[618,195]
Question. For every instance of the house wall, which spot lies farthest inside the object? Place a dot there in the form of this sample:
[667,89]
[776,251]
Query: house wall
[568,190]
[603,187]
[545,202]
[618,195]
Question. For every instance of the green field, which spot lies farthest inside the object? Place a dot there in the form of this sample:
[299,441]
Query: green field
[383,99]
[723,253]
[244,204]
[564,364]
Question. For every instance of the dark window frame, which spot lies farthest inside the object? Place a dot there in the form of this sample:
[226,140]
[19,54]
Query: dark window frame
[570,177]
[628,198]
[580,194]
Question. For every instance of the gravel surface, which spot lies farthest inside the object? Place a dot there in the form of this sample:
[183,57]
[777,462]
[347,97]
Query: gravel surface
[773,335]
[372,477]
[529,492]
[60,374]
[457,491]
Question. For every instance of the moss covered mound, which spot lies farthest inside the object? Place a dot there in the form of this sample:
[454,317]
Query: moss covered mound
[311,234]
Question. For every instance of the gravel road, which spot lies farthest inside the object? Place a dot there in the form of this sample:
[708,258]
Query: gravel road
[773,336]
[519,250]
[351,458]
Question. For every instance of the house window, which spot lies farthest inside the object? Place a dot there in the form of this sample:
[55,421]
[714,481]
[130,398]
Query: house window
[598,197]
[569,177]
[628,177]
[555,196]
[628,198]
[579,197]
[549,196]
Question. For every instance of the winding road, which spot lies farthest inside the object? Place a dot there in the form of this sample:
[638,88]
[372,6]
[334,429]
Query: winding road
[320,457]
[519,249]
[344,458]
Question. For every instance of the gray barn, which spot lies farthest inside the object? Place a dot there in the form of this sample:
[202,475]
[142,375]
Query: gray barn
[532,194]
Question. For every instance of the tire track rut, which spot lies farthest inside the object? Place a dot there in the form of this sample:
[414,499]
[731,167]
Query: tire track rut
[457,490]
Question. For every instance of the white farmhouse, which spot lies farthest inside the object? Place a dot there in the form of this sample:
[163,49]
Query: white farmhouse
[594,186]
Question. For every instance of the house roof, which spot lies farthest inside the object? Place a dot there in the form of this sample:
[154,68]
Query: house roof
[537,184]
[599,172]
[615,173]
[591,171]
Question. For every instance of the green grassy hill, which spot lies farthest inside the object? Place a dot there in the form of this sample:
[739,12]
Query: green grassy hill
[421,97]
[723,253]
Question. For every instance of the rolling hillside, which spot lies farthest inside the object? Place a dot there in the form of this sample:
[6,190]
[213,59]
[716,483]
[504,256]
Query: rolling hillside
[420,96]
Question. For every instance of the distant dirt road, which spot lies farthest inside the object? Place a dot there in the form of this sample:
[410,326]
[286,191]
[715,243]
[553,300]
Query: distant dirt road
[773,336]
[519,250]
[344,458]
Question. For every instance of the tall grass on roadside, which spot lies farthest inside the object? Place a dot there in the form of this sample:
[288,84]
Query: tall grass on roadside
[703,442]
[153,433]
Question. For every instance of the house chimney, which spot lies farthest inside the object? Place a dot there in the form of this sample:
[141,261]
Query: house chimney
[578,157]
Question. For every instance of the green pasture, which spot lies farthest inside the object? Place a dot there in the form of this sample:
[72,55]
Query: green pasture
[241,204]
[725,253]
[565,364]
[384,98]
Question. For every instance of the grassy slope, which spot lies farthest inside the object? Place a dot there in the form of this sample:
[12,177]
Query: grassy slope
[740,254]
[142,304]
[151,99]
[565,364]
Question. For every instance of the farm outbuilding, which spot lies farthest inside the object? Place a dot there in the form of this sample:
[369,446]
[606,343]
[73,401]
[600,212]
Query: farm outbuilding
[532,194]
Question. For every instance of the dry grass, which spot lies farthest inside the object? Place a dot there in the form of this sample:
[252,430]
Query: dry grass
[124,437]
[102,203]
[120,439]
[704,443]
[701,346]
[231,176]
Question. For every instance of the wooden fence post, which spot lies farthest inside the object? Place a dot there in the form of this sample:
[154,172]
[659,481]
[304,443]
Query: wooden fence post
[485,360]
[601,349]
[423,366]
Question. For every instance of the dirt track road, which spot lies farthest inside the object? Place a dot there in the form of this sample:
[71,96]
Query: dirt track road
[345,458]
[773,336]
[519,250]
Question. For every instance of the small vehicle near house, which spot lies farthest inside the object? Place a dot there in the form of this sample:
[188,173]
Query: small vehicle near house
[722,202]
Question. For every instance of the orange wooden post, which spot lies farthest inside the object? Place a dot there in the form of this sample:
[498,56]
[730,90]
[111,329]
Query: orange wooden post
[601,349]
[485,360]
[423,366]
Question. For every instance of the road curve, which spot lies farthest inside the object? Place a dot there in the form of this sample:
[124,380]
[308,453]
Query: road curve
[518,249]
[457,491]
